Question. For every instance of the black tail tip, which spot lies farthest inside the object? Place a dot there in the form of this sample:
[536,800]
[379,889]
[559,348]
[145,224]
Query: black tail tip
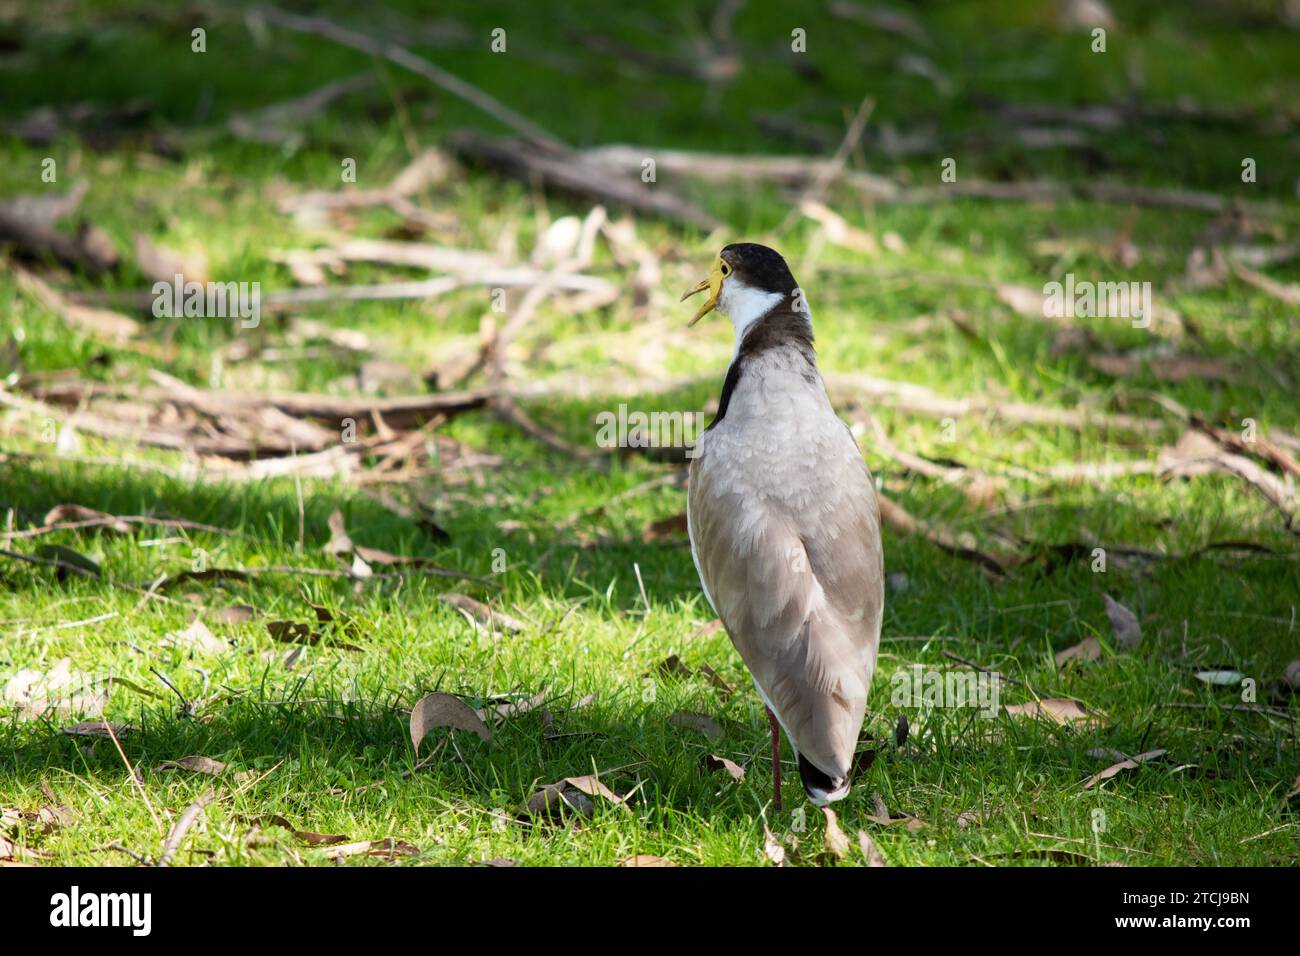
[820,786]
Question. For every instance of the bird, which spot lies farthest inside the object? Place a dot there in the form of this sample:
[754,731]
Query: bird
[784,524]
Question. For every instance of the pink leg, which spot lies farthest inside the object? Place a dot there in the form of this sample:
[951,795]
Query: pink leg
[776,759]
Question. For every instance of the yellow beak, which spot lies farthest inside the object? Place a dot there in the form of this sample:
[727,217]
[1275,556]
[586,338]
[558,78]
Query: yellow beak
[714,284]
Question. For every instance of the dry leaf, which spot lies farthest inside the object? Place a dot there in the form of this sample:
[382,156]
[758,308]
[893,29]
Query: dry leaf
[444,710]
[60,691]
[714,762]
[1292,675]
[716,680]
[592,787]
[1088,649]
[772,848]
[574,793]
[387,847]
[837,842]
[76,514]
[700,723]
[1221,677]
[196,638]
[482,613]
[1126,764]
[515,708]
[297,632]
[645,859]
[234,614]
[1123,624]
[98,728]
[160,264]
[339,542]
[1061,710]
[554,797]
[883,818]
[195,763]
[869,851]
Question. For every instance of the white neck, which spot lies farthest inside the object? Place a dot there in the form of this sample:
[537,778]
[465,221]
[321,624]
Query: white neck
[745,305]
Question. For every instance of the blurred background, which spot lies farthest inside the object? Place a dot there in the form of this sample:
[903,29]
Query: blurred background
[446,241]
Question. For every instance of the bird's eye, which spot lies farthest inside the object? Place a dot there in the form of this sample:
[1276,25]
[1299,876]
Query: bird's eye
[726,269]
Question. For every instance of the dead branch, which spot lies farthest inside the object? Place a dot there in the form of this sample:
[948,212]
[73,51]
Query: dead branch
[450,83]
[572,173]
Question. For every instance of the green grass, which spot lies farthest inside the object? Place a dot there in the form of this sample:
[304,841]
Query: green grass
[325,743]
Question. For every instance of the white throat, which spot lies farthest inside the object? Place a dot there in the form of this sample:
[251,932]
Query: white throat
[745,305]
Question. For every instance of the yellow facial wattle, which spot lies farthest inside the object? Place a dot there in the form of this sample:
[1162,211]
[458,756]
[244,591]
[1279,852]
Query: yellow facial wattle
[714,284]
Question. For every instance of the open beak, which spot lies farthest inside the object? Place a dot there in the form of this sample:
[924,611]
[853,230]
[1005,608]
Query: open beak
[714,286]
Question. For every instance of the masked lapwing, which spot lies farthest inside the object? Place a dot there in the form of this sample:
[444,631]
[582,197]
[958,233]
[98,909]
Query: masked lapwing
[785,526]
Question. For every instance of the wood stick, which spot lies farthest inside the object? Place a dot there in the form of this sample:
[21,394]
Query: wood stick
[329,30]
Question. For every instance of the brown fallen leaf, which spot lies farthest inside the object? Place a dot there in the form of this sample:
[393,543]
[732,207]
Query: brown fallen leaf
[645,859]
[298,632]
[672,666]
[716,680]
[552,799]
[387,847]
[1291,676]
[1088,649]
[339,542]
[700,723]
[872,855]
[573,793]
[837,842]
[309,837]
[1060,710]
[1294,791]
[1127,764]
[78,514]
[592,787]
[444,710]
[772,848]
[233,614]
[160,264]
[197,639]
[483,613]
[1123,624]
[882,816]
[196,763]
[98,728]
[58,692]
[714,762]
[514,708]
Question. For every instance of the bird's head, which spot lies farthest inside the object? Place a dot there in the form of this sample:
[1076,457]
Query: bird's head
[744,276]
